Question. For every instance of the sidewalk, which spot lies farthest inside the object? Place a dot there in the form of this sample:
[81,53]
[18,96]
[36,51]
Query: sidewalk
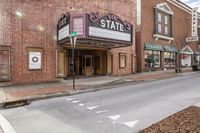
[64,87]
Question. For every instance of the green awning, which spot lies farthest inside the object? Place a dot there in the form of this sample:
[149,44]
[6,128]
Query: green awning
[156,47]
[197,52]
[171,49]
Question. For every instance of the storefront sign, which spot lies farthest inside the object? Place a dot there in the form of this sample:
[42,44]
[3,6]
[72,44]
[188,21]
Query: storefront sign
[171,49]
[194,22]
[35,61]
[63,28]
[192,39]
[155,47]
[109,26]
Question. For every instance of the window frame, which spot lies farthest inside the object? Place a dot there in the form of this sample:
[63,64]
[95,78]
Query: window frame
[170,54]
[152,61]
[166,25]
[120,60]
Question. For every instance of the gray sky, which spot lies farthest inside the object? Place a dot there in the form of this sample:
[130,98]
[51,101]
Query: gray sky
[192,3]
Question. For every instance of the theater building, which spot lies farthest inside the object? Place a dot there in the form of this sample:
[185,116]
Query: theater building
[35,45]
[166,35]
[97,36]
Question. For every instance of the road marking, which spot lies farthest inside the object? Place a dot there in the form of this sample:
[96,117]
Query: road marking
[99,121]
[131,123]
[81,104]
[101,111]
[69,99]
[75,101]
[6,126]
[91,108]
[114,117]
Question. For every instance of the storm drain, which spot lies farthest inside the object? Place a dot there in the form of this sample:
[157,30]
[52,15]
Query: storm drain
[15,104]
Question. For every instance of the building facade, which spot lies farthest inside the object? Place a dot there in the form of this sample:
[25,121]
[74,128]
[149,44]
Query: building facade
[164,37]
[30,52]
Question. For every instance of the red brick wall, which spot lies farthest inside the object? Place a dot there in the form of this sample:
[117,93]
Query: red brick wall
[181,29]
[25,32]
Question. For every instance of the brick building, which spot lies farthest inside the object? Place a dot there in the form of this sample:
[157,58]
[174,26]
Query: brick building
[28,45]
[162,29]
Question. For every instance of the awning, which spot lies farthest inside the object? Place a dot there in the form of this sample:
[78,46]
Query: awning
[171,49]
[197,52]
[156,47]
[187,50]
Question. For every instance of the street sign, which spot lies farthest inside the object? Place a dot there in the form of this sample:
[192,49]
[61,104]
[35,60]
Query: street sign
[73,37]
[192,39]
[73,34]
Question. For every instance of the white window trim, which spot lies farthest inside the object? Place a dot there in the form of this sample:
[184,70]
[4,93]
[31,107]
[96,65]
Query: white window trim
[163,37]
[165,20]
[166,30]
[160,27]
[192,52]
[159,17]
[169,11]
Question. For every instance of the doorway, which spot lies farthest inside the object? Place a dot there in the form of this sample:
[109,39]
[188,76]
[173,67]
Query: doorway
[87,66]
[87,62]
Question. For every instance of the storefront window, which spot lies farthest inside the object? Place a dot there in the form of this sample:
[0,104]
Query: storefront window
[169,59]
[152,58]
[197,59]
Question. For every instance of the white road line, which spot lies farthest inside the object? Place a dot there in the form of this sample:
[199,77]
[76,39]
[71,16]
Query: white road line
[69,99]
[99,121]
[81,104]
[91,108]
[114,117]
[75,101]
[101,111]
[6,126]
[131,123]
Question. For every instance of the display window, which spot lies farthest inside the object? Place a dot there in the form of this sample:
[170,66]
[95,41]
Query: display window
[152,58]
[169,59]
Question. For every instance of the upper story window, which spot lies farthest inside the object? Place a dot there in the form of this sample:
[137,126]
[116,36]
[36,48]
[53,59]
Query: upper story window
[199,33]
[166,25]
[159,18]
[163,22]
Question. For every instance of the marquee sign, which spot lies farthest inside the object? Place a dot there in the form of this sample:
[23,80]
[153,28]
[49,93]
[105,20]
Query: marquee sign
[194,21]
[63,27]
[109,26]
[102,30]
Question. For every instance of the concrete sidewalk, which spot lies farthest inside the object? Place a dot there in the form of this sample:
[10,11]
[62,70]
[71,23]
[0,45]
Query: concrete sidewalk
[64,87]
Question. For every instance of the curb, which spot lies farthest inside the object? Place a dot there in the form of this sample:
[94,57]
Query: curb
[197,104]
[90,89]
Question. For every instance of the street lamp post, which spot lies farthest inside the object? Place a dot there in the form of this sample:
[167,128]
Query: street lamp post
[73,37]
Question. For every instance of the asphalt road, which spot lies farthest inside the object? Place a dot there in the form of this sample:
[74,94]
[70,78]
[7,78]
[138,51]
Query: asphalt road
[125,109]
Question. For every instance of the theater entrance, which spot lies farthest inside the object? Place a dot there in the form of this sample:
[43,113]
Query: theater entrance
[86,62]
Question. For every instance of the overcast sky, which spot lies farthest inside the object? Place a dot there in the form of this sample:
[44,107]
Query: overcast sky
[192,3]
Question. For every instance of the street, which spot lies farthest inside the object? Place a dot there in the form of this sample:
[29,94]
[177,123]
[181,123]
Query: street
[125,109]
